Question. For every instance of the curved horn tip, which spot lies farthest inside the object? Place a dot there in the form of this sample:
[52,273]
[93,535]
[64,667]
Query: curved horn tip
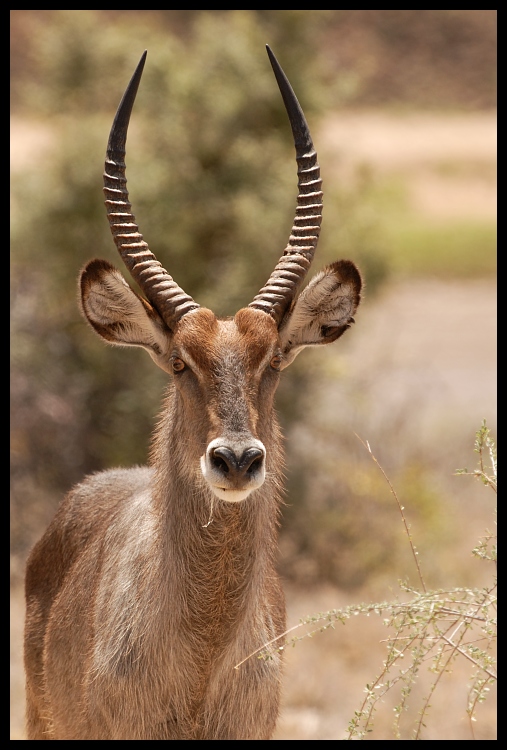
[300,131]
[118,134]
[272,58]
[134,81]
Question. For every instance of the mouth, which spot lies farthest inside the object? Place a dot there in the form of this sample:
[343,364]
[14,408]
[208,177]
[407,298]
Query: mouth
[231,496]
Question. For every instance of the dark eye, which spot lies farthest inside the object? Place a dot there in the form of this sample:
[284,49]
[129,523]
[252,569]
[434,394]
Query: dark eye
[276,362]
[178,365]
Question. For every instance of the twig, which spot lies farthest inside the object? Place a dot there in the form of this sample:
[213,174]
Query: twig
[393,491]
[268,643]
[467,656]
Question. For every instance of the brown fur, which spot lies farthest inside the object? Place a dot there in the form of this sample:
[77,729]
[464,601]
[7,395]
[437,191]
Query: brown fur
[151,584]
[147,589]
[137,611]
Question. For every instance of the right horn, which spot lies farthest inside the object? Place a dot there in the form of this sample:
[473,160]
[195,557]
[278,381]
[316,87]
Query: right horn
[281,289]
[159,287]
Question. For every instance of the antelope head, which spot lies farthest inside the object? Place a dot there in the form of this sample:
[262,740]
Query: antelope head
[225,371]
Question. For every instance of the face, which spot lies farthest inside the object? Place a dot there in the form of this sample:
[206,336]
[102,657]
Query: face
[225,371]
[225,374]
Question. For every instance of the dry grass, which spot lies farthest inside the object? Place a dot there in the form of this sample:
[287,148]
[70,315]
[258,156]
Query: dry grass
[325,680]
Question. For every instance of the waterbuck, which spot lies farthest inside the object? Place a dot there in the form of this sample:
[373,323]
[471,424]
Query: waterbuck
[152,583]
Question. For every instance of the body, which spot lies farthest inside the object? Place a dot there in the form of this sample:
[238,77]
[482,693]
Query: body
[152,584]
[225,602]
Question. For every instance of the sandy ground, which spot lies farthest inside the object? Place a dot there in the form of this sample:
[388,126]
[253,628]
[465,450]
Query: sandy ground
[429,339]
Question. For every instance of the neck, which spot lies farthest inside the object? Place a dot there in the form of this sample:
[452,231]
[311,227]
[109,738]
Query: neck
[224,553]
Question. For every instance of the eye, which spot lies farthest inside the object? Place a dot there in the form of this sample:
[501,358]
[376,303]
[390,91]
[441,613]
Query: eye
[178,365]
[276,362]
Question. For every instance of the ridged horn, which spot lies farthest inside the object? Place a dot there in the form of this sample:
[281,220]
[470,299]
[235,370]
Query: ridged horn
[284,283]
[160,289]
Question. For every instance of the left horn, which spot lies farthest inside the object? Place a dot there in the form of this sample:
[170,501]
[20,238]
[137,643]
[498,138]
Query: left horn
[276,296]
[158,286]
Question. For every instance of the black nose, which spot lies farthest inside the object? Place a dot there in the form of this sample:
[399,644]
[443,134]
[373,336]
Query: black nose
[225,460]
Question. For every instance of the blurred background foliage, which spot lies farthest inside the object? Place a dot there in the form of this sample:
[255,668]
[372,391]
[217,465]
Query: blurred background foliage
[212,178]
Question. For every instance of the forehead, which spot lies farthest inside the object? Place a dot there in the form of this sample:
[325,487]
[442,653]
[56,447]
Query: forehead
[251,335]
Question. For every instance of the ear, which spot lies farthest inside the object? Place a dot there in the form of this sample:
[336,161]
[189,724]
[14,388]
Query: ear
[323,311]
[119,315]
